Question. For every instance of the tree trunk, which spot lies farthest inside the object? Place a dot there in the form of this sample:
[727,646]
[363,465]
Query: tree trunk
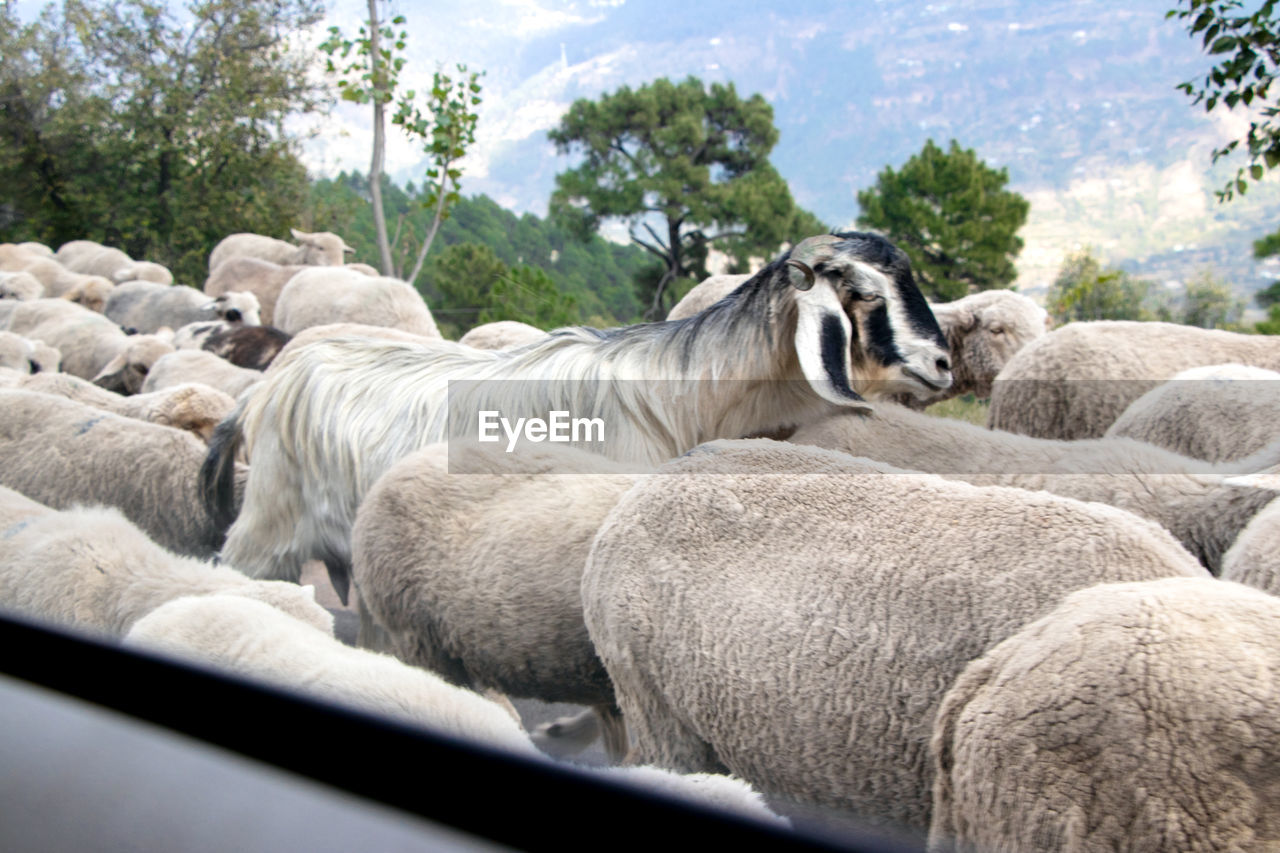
[674,270]
[379,145]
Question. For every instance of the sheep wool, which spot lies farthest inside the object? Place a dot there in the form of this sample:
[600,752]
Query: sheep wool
[1135,716]
[1075,381]
[794,616]
[93,569]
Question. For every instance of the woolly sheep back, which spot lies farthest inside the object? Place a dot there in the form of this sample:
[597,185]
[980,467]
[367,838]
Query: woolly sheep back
[1218,413]
[321,248]
[323,296]
[800,628]
[1136,716]
[503,334]
[1075,381]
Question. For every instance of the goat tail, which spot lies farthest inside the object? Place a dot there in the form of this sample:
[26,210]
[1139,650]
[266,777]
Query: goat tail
[218,473]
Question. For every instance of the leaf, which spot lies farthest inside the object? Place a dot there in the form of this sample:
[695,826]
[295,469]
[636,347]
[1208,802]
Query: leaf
[1256,172]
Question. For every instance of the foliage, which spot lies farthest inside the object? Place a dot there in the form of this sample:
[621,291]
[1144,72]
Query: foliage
[1084,290]
[950,213]
[685,167]
[1271,325]
[1249,52]
[463,276]
[1209,303]
[966,408]
[373,62]
[598,274]
[120,124]
[528,294]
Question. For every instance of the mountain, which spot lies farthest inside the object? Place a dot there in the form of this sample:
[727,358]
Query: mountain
[1075,98]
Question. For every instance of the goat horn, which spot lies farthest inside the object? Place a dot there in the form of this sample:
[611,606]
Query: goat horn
[802,257]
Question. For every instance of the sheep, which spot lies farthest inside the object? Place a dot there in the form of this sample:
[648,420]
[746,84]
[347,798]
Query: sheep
[504,334]
[194,335]
[20,285]
[984,330]
[1075,381]
[36,248]
[16,508]
[1189,497]
[1218,413]
[323,295]
[146,306]
[91,258]
[91,568]
[1135,716]
[1253,558]
[143,271]
[252,347]
[494,605]
[250,638]
[14,257]
[193,365]
[91,291]
[63,453]
[193,407]
[92,346]
[26,356]
[263,279]
[707,292]
[335,414]
[316,249]
[794,615]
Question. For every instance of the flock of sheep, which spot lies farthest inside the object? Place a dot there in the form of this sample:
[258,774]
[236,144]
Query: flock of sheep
[776,586]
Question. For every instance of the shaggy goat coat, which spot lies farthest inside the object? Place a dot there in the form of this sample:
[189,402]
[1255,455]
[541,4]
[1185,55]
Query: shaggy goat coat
[1186,496]
[334,415]
[472,561]
[795,615]
[63,453]
[93,569]
[1137,716]
[1075,381]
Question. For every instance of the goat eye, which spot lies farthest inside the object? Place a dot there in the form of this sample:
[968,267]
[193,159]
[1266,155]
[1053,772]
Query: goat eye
[996,330]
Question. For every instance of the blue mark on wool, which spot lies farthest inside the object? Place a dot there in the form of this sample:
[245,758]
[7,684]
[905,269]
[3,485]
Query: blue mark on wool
[88,425]
[15,530]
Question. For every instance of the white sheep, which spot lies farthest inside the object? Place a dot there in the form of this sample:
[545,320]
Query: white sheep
[193,365]
[319,249]
[1219,413]
[263,279]
[236,634]
[503,334]
[1254,558]
[91,258]
[64,453]
[984,331]
[335,414]
[15,256]
[142,271]
[146,306]
[707,292]
[27,356]
[1135,716]
[20,285]
[794,615]
[494,604]
[1075,381]
[191,406]
[92,346]
[324,295]
[91,291]
[91,568]
[1189,497]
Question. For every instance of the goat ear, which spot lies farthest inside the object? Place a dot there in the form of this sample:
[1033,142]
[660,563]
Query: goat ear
[823,333]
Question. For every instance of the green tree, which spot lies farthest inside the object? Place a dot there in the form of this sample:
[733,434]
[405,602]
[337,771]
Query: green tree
[1248,48]
[121,124]
[462,277]
[1271,325]
[1084,290]
[1209,303]
[528,294]
[374,60]
[950,213]
[685,167]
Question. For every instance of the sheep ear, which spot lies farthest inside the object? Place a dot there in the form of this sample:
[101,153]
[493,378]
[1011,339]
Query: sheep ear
[347,250]
[114,377]
[300,236]
[823,333]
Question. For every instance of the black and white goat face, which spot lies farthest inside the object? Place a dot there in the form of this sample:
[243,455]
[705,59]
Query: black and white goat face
[863,327]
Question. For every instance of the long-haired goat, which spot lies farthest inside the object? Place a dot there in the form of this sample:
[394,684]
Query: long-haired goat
[840,314]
